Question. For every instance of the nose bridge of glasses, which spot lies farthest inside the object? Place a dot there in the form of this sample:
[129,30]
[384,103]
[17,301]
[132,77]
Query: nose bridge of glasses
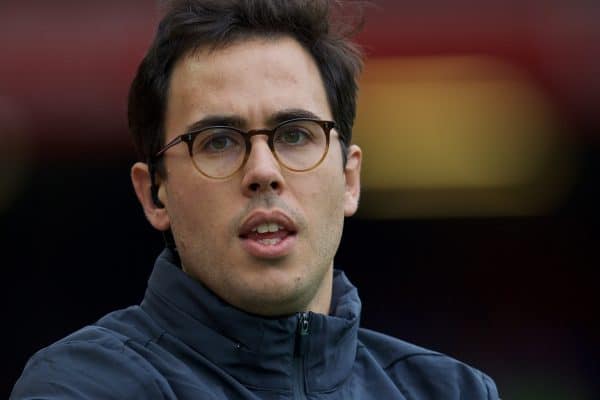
[258,139]
[251,134]
[252,137]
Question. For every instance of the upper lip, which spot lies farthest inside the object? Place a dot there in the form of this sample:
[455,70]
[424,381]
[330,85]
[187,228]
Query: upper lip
[258,217]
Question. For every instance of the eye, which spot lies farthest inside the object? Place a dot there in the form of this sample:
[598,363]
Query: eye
[293,135]
[218,142]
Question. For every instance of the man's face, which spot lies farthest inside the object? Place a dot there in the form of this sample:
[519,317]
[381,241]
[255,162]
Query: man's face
[212,220]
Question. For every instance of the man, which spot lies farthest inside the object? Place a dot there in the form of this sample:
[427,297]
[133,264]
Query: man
[242,112]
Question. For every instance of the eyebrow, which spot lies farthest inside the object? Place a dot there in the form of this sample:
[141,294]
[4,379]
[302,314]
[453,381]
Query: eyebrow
[217,120]
[290,113]
[239,122]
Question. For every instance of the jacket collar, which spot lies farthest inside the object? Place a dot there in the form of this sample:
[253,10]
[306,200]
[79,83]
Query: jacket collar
[256,351]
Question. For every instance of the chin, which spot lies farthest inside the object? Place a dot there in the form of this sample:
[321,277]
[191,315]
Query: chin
[271,294]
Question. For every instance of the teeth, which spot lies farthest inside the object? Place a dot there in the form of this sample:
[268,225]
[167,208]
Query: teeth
[270,242]
[262,228]
[274,227]
[267,227]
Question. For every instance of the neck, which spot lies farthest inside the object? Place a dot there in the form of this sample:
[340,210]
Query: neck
[321,301]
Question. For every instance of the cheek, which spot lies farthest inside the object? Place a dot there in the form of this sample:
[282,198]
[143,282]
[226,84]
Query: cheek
[194,217]
[334,185]
[326,216]
[322,199]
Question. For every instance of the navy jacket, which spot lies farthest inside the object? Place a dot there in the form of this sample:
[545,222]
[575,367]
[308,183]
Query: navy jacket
[183,342]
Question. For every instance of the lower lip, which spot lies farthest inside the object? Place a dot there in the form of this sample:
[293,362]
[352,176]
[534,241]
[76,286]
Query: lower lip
[269,251]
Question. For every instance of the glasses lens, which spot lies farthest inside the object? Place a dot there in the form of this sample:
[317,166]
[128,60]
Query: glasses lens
[218,152]
[300,145]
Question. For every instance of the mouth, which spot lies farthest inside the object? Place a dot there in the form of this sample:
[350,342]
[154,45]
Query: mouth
[268,234]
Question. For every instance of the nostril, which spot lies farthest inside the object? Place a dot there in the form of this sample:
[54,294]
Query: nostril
[255,187]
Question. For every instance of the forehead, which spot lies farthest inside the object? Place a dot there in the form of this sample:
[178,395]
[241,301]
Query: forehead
[251,79]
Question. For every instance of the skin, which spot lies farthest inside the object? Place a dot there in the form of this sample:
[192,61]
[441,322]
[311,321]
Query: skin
[253,80]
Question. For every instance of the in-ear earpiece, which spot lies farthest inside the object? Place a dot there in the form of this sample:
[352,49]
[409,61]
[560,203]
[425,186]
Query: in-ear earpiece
[153,185]
[154,194]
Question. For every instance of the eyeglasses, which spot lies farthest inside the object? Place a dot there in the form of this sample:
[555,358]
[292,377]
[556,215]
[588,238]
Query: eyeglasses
[218,152]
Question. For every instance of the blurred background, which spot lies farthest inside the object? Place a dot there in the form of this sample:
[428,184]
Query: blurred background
[478,230]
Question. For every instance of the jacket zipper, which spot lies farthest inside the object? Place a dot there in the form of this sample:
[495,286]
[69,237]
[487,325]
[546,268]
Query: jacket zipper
[301,342]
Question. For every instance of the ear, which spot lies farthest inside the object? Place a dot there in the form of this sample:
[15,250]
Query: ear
[157,216]
[352,175]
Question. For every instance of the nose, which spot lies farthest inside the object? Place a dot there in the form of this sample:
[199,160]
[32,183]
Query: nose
[262,172]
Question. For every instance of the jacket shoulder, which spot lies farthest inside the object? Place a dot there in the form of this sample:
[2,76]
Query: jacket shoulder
[92,363]
[425,374]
